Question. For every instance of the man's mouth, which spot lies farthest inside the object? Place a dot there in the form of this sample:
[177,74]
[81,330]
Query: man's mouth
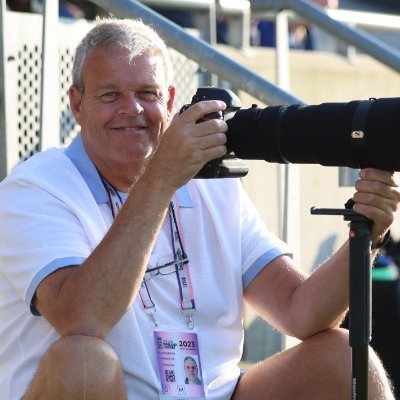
[130,129]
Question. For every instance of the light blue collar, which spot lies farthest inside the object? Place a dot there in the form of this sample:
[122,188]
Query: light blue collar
[76,152]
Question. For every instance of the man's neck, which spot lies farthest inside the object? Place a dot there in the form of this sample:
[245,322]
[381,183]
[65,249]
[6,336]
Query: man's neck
[122,180]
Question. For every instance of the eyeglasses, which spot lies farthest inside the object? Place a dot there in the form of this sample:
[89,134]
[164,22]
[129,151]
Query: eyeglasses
[167,268]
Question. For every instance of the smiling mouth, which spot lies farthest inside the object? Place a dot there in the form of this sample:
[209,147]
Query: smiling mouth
[129,128]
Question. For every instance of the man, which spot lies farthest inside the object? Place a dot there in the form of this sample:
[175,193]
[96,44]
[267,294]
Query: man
[99,301]
[191,371]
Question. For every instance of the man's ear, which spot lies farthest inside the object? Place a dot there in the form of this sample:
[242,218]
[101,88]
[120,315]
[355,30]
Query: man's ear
[171,98]
[75,102]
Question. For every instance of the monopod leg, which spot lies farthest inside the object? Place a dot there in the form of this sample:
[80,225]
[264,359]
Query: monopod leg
[360,289]
[360,305]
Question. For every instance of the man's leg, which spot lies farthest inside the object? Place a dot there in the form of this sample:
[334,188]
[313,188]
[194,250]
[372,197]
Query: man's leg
[317,369]
[78,368]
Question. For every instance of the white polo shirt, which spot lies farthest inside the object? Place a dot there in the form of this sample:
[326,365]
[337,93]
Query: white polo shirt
[54,210]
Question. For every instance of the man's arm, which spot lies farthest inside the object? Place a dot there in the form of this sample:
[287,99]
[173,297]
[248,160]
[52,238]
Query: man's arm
[302,305]
[90,299]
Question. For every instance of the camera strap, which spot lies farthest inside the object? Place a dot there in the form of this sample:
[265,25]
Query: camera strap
[358,142]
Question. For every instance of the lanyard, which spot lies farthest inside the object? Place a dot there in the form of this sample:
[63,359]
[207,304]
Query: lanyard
[181,261]
[114,198]
[188,306]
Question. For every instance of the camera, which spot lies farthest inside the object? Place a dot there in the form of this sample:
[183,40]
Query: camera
[228,166]
[357,134]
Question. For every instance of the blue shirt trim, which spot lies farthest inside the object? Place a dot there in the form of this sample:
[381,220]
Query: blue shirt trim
[259,265]
[80,158]
[44,272]
[76,152]
[184,199]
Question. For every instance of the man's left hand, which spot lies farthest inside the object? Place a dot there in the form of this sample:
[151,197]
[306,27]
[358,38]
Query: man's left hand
[377,197]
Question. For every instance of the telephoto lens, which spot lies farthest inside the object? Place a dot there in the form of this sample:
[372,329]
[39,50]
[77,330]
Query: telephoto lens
[357,134]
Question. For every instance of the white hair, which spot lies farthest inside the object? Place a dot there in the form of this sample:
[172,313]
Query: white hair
[131,34]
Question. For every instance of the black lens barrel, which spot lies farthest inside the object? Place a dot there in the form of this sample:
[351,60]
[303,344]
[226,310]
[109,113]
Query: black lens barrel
[357,134]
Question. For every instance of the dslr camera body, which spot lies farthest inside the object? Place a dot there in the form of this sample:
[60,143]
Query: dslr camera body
[228,166]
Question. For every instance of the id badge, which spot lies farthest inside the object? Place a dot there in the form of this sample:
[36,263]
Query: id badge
[179,365]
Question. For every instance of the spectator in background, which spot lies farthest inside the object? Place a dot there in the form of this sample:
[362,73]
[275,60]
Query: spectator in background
[315,38]
[19,5]
[301,36]
[326,3]
[263,33]
[183,18]
[68,9]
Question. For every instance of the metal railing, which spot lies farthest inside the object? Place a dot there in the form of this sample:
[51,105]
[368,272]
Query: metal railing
[364,41]
[204,11]
[205,14]
[239,76]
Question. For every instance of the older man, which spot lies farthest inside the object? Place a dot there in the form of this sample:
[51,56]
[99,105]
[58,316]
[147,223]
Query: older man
[116,265]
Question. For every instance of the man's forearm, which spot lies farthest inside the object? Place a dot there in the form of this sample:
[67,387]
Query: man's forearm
[322,300]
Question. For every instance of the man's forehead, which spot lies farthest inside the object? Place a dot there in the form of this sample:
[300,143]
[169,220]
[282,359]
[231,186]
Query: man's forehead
[152,55]
[149,66]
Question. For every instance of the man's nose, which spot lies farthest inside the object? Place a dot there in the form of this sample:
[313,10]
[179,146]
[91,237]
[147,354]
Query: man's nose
[130,104]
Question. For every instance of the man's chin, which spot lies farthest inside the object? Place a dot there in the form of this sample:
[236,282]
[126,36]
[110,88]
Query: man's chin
[142,154]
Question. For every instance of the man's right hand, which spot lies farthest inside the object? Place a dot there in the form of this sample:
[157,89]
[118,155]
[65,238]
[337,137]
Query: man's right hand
[186,145]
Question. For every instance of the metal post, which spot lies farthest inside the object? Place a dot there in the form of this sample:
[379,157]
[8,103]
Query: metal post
[49,104]
[238,13]
[3,141]
[206,23]
[347,176]
[282,50]
[288,174]
[8,107]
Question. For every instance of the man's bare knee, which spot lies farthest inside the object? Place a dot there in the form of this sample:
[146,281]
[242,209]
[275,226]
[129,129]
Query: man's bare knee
[317,368]
[85,358]
[334,346]
[78,367]
[334,342]
[329,350]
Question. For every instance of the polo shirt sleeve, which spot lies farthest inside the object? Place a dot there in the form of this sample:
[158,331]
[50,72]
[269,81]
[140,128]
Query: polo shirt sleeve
[259,245]
[45,226]
[39,235]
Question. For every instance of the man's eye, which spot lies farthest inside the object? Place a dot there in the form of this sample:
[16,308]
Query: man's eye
[108,96]
[148,95]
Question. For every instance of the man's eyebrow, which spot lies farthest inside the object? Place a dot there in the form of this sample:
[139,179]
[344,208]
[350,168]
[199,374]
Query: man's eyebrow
[103,86]
[154,86]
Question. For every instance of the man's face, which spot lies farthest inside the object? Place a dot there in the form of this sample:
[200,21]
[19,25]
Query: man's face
[191,369]
[123,110]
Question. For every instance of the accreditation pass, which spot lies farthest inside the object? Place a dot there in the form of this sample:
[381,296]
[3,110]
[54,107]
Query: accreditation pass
[179,365]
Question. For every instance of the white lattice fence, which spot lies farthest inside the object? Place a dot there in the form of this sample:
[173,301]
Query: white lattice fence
[21,94]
